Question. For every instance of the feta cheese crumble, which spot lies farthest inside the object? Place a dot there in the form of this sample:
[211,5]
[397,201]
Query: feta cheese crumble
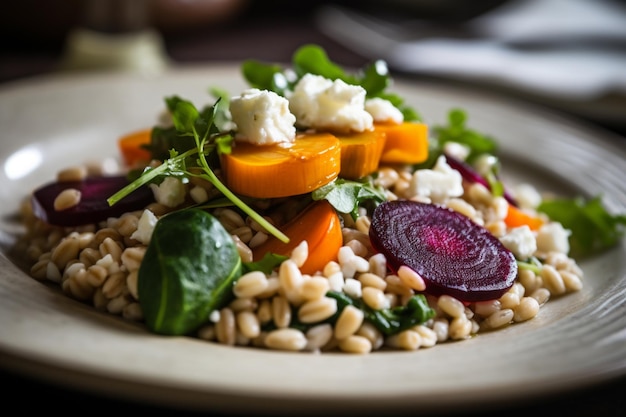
[171,192]
[320,103]
[521,241]
[438,184]
[383,111]
[262,117]
[553,237]
[527,196]
[145,226]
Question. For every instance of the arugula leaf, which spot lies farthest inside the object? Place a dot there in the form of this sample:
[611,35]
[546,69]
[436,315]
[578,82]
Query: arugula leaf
[266,265]
[346,196]
[162,140]
[457,131]
[593,228]
[313,59]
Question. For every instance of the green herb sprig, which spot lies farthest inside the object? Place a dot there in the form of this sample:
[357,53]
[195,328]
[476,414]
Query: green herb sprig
[189,122]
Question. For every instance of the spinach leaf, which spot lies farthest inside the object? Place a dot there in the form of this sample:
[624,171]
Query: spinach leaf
[389,320]
[188,271]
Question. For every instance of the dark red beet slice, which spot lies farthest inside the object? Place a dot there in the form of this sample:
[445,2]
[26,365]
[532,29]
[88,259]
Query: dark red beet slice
[469,174]
[93,206]
[451,253]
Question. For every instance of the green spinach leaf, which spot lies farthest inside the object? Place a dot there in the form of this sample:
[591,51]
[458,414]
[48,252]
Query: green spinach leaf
[388,320]
[188,271]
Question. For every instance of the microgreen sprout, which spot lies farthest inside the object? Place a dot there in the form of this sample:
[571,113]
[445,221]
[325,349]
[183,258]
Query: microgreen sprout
[188,121]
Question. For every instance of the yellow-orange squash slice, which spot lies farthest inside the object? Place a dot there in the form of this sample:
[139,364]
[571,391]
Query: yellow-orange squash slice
[282,170]
[360,153]
[405,143]
[131,150]
[320,226]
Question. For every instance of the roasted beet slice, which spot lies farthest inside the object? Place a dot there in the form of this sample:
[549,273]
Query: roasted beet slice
[93,206]
[470,175]
[451,253]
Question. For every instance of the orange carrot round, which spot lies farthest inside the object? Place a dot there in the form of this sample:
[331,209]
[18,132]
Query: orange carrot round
[131,150]
[405,143]
[320,226]
[360,153]
[282,170]
[515,217]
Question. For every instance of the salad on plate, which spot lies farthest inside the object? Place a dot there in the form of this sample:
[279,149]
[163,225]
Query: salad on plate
[314,211]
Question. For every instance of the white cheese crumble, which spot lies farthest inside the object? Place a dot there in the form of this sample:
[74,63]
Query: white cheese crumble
[485,163]
[438,184]
[527,195]
[145,226]
[170,193]
[553,237]
[383,111]
[457,150]
[262,117]
[320,103]
[521,241]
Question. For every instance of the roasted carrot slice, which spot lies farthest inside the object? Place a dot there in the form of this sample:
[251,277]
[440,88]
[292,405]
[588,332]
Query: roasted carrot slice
[516,218]
[320,226]
[130,146]
[282,170]
[360,153]
[406,143]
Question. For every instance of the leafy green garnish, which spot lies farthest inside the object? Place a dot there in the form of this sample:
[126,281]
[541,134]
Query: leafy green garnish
[189,122]
[457,130]
[266,265]
[346,196]
[389,320]
[532,264]
[593,228]
[187,271]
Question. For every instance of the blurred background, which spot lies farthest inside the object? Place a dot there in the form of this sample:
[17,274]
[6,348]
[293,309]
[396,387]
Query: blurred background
[569,55]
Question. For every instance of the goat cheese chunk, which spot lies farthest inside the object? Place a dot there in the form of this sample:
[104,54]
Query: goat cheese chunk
[320,103]
[171,192]
[527,195]
[145,226]
[437,184]
[521,241]
[553,237]
[383,111]
[262,117]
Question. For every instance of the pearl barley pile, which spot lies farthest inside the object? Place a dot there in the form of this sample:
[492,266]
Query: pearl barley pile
[98,264]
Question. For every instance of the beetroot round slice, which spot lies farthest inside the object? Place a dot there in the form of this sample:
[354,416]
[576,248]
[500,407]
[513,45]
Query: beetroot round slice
[452,254]
[93,206]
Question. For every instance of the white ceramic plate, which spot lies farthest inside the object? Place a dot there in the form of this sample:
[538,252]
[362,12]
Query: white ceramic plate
[575,341]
